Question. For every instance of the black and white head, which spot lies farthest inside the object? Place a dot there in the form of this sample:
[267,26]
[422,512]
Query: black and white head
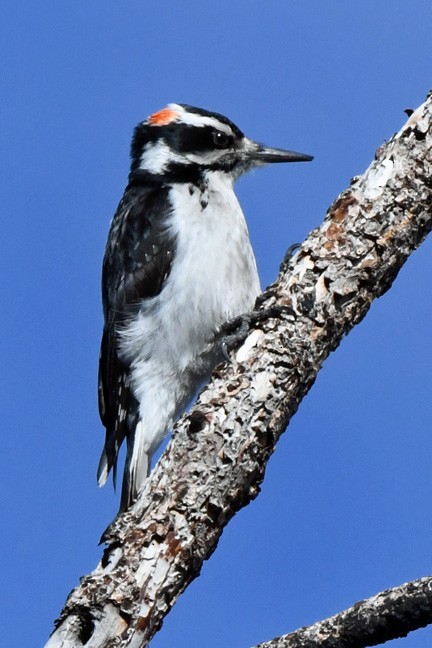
[180,143]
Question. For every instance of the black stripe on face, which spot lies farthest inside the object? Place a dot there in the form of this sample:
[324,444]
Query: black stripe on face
[182,139]
[186,138]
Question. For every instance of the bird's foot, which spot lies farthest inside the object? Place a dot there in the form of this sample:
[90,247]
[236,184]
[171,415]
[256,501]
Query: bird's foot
[236,330]
[234,333]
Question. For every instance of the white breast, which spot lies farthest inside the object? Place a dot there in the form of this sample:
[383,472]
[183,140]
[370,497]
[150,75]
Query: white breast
[215,276]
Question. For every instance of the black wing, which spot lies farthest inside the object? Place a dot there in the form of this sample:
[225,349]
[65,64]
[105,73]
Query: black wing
[137,261]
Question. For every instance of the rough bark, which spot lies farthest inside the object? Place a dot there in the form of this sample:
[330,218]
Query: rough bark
[216,460]
[388,615]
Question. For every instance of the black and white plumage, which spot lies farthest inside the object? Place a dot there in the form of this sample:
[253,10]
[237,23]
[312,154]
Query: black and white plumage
[178,264]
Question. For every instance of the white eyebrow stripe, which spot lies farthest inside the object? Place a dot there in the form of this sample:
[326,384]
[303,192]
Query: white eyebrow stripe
[193,119]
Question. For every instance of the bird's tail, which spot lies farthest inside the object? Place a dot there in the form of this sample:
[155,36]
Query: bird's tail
[137,467]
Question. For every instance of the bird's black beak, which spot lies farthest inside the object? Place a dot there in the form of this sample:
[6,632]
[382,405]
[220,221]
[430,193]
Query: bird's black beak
[260,154]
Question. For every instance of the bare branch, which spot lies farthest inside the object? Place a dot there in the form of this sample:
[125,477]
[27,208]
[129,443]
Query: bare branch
[216,460]
[388,615]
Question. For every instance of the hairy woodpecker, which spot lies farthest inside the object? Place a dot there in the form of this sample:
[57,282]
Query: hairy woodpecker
[178,265]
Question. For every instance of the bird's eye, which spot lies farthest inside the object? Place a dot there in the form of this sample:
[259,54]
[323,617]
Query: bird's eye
[220,139]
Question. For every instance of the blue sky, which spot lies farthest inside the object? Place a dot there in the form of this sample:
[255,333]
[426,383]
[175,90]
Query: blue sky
[345,510]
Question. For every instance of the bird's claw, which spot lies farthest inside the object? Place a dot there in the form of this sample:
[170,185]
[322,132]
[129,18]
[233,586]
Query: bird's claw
[235,331]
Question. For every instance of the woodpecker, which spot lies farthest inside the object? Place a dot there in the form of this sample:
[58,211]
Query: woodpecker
[178,265]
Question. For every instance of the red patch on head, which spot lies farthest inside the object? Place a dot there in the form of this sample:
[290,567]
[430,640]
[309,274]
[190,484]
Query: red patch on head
[163,117]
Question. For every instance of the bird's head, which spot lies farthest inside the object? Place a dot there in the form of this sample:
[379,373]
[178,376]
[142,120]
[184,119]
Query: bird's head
[180,143]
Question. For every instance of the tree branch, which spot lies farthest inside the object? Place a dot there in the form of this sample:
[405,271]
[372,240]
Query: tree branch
[388,615]
[216,459]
